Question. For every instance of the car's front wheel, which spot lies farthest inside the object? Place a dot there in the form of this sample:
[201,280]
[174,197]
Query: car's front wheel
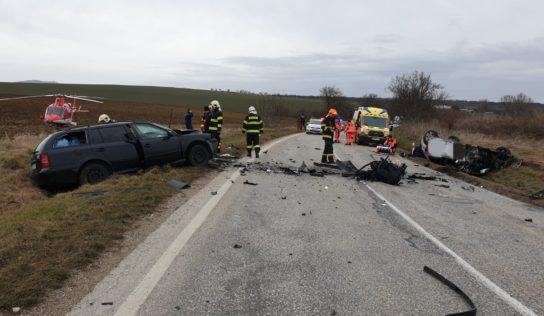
[93,173]
[198,155]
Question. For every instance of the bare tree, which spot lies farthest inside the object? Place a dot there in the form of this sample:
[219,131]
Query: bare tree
[331,95]
[370,99]
[415,94]
[271,107]
[516,104]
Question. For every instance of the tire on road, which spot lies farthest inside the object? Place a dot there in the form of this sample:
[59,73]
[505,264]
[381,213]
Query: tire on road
[93,172]
[198,155]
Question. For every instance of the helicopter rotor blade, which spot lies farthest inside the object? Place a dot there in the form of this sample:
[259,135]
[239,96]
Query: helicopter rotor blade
[28,97]
[84,99]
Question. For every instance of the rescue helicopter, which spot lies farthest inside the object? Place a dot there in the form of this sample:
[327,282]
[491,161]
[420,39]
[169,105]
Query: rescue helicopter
[60,113]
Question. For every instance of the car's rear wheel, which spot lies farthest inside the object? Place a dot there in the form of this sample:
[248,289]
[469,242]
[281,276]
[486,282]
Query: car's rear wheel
[93,173]
[198,155]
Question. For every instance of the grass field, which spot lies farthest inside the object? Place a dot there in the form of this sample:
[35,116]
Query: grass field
[192,98]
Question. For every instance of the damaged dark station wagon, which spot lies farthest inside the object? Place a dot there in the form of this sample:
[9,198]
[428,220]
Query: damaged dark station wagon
[92,153]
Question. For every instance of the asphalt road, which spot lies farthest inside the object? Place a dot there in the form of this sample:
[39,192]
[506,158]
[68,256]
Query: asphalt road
[331,246]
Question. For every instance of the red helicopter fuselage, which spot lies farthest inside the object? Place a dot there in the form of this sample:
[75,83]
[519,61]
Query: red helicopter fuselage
[61,112]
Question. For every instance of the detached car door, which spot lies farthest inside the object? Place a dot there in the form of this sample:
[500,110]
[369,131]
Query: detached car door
[160,145]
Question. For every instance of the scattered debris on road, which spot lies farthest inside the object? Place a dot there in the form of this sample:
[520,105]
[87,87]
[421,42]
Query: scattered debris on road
[107,303]
[530,220]
[250,183]
[468,188]
[438,276]
[237,246]
[214,192]
[538,195]
[423,176]
[442,186]
[178,184]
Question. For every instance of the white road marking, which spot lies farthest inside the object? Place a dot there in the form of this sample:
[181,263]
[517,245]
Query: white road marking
[502,294]
[139,295]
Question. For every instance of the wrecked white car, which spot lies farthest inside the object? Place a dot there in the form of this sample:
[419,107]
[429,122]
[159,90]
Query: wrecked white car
[474,160]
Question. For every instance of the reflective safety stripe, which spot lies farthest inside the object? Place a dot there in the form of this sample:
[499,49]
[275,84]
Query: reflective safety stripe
[249,147]
[252,117]
[257,146]
[219,117]
[213,120]
[253,131]
[212,128]
[327,136]
[253,122]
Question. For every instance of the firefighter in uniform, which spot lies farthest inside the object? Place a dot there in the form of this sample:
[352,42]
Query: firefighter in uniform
[217,119]
[328,126]
[253,128]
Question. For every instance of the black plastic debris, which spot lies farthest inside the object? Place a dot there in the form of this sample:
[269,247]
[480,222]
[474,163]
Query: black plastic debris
[438,276]
[214,192]
[178,184]
[290,170]
[250,183]
[107,303]
[303,214]
[468,188]
[326,165]
[237,246]
[265,152]
[382,170]
[422,176]
[442,186]
[347,167]
[316,173]
[530,220]
[538,195]
[303,168]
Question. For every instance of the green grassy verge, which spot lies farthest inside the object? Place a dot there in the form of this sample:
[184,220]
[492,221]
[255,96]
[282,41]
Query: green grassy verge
[192,98]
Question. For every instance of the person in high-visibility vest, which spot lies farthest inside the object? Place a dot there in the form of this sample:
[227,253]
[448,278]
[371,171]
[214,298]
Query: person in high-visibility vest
[351,132]
[338,130]
[328,126]
[253,128]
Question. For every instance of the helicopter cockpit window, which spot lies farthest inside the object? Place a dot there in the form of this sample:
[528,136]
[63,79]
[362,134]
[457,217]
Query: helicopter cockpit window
[147,131]
[71,139]
[55,110]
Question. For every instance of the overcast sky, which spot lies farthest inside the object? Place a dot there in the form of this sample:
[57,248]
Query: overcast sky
[477,49]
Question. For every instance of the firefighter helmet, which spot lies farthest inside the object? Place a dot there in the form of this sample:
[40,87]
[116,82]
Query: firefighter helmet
[104,118]
[215,104]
